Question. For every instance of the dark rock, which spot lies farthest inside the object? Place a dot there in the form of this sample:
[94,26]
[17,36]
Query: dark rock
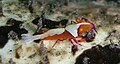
[36,20]
[112,0]
[12,25]
[108,54]
[117,21]
[3,35]
[47,23]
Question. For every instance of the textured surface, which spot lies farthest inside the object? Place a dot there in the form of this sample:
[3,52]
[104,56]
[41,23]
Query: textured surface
[32,16]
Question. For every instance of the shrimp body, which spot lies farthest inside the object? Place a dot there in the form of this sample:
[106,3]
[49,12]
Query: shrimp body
[64,35]
[69,32]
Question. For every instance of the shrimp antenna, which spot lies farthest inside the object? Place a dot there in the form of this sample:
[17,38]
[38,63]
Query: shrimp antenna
[94,28]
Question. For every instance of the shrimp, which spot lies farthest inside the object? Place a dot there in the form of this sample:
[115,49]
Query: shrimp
[71,32]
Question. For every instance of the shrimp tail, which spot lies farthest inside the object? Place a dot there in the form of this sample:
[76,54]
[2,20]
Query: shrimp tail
[27,39]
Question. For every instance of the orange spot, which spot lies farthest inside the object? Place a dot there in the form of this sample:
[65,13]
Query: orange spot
[81,29]
[78,20]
